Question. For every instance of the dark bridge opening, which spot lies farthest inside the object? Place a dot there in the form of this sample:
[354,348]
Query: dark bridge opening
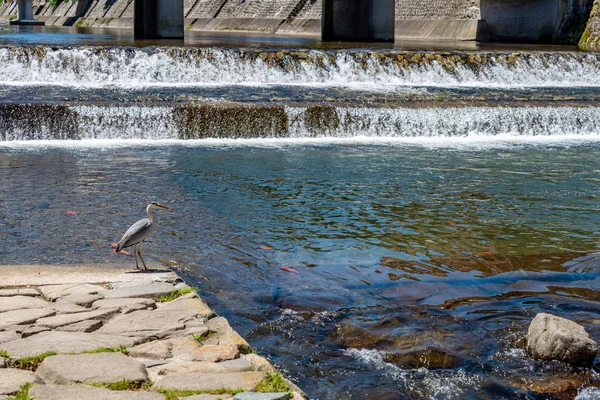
[358,20]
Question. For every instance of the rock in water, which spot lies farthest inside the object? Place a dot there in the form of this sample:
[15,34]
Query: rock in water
[555,338]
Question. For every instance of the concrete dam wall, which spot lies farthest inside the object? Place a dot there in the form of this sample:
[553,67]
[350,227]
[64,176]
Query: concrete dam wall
[494,20]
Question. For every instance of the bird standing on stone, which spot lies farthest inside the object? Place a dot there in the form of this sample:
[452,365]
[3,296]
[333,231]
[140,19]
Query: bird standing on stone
[139,232]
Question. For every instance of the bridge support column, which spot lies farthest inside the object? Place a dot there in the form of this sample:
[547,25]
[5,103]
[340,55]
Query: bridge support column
[25,8]
[358,20]
[158,19]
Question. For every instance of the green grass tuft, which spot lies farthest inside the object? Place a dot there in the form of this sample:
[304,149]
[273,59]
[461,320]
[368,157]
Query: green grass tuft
[121,385]
[176,294]
[22,394]
[173,394]
[203,337]
[31,363]
[273,383]
[118,349]
[4,353]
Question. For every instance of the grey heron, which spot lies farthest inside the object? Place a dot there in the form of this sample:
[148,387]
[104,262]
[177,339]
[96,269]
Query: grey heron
[139,232]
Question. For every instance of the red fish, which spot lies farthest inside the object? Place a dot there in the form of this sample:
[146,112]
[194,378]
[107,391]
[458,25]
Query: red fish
[69,212]
[267,248]
[288,269]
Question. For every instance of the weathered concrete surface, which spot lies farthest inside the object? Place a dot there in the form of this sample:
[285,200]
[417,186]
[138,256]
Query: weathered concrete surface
[37,275]
[555,338]
[95,367]
[12,379]
[63,342]
[415,19]
[211,381]
[18,292]
[79,392]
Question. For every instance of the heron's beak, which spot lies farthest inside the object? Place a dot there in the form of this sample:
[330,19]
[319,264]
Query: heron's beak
[165,207]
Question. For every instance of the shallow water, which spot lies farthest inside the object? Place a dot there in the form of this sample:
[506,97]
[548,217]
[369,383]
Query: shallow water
[435,247]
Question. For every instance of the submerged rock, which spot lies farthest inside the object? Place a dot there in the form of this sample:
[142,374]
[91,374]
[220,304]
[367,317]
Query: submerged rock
[430,358]
[555,338]
[353,337]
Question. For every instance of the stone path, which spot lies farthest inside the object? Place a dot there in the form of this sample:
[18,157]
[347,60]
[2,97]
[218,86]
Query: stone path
[102,333]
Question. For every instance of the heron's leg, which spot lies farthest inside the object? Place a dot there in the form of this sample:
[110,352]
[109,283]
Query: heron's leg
[140,253]
[135,247]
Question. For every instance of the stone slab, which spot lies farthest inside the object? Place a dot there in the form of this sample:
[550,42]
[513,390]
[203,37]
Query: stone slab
[125,303]
[95,367]
[90,325]
[215,353]
[64,342]
[190,303]
[79,392]
[81,299]
[150,290]
[156,323]
[67,308]
[27,316]
[34,330]
[262,396]
[53,292]
[225,335]
[8,336]
[211,381]
[19,292]
[209,397]
[20,302]
[163,349]
[68,319]
[12,379]
[182,366]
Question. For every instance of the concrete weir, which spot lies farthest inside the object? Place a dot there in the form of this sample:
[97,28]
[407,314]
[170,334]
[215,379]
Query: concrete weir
[106,332]
[358,20]
[158,19]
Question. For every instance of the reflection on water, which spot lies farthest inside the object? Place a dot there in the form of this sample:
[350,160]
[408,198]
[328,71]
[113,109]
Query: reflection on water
[420,267]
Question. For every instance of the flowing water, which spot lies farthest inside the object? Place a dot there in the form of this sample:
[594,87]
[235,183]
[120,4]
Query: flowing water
[429,205]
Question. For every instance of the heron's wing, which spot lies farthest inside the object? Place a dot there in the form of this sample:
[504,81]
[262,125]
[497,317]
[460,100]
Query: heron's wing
[136,233]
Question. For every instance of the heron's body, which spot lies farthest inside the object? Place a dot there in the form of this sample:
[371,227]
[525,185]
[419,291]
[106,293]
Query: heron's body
[139,232]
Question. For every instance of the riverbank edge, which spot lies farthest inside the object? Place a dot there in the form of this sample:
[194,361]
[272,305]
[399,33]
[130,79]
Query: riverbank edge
[71,292]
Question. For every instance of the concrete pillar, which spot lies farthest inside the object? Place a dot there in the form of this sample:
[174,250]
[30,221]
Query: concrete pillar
[25,8]
[358,20]
[158,19]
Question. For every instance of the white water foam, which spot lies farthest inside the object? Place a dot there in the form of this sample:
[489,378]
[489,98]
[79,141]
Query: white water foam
[475,127]
[133,68]
[589,393]
[432,384]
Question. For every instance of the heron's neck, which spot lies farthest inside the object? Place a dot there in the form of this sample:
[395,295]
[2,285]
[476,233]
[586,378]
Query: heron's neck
[151,215]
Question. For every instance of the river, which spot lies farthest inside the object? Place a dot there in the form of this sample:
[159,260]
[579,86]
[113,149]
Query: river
[425,208]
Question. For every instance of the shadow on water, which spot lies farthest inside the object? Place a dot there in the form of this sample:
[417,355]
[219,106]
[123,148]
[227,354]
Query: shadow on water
[79,36]
[417,279]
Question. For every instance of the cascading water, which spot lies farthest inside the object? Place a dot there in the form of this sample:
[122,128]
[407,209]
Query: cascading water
[132,67]
[409,124]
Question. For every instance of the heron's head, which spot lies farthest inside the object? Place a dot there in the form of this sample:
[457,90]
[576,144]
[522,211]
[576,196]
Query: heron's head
[157,205]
